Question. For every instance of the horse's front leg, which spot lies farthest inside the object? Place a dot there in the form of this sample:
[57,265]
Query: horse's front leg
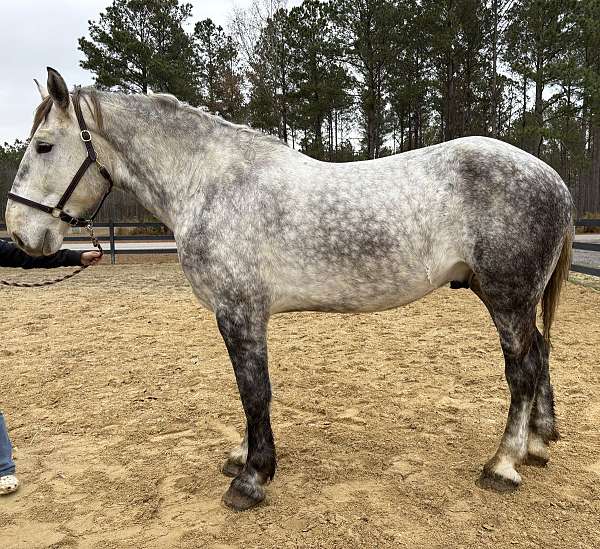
[244,332]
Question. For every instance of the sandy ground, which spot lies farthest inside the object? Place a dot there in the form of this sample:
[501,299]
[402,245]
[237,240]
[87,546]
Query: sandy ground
[122,404]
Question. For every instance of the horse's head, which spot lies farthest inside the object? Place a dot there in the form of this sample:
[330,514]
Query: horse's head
[54,155]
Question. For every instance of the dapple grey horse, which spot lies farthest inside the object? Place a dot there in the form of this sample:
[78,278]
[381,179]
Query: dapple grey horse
[263,229]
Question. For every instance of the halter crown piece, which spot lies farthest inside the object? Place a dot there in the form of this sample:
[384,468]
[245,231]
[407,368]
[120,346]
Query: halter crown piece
[91,158]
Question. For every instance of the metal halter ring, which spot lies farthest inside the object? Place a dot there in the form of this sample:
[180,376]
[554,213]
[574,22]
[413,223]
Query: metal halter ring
[86,136]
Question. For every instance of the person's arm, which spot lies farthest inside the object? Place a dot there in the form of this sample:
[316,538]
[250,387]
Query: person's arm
[11,256]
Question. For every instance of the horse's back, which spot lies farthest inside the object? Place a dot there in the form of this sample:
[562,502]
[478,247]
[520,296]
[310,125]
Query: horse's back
[357,236]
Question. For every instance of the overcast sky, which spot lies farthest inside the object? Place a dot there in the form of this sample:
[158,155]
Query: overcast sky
[35,34]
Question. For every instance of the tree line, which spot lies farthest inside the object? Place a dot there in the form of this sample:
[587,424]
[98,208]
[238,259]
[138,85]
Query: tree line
[345,80]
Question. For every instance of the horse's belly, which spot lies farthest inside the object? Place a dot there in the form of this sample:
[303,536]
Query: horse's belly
[345,294]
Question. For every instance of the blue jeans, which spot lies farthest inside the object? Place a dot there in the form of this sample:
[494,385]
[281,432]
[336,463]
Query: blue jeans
[7,465]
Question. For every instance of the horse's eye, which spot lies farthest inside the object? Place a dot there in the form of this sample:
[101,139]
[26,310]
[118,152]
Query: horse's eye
[42,147]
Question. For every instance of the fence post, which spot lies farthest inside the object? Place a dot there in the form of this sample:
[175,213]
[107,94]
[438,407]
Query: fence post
[111,235]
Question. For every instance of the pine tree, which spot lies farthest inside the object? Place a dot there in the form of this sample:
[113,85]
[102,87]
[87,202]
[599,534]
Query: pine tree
[409,80]
[539,34]
[365,27]
[220,79]
[138,45]
[456,31]
[268,75]
[589,25]
[320,82]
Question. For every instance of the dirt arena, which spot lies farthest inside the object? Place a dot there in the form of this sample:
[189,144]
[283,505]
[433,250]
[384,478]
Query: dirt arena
[121,403]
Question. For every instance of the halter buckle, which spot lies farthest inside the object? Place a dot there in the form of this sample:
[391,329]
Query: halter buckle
[56,213]
[86,136]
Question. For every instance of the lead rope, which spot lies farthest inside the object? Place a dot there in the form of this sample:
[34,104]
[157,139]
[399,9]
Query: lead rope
[90,229]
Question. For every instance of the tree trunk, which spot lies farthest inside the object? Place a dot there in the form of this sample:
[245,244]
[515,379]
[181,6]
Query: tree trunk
[284,105]
[539,104]
[594,181]
[524,120]
[494,105]
[402,132]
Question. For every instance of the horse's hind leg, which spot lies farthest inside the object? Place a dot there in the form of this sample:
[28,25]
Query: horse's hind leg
[244,332]
[542,427]
[526,368]
[522,346]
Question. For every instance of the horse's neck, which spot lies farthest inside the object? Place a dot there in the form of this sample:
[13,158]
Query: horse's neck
[162,164]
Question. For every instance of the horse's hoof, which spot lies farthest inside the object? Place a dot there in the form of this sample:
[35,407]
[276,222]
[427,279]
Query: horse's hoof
[237,500]
[493,481]
[232,468]
[536,461]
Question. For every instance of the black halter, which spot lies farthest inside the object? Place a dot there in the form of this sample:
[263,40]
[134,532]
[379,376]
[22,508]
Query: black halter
[90,159]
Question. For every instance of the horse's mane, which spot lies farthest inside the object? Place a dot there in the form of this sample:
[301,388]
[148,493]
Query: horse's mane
[164,102]
[43,109]
[168,102]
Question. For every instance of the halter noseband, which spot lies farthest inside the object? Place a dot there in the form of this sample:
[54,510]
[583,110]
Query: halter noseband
[90,159]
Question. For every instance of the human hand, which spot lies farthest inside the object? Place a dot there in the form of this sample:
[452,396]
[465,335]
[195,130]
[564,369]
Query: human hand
[90,258]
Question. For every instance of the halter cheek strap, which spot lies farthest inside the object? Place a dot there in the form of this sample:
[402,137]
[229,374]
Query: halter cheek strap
[91,158]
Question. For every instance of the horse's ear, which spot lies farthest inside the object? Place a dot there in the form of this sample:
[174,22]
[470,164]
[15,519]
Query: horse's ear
[58,89]
[42,89]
